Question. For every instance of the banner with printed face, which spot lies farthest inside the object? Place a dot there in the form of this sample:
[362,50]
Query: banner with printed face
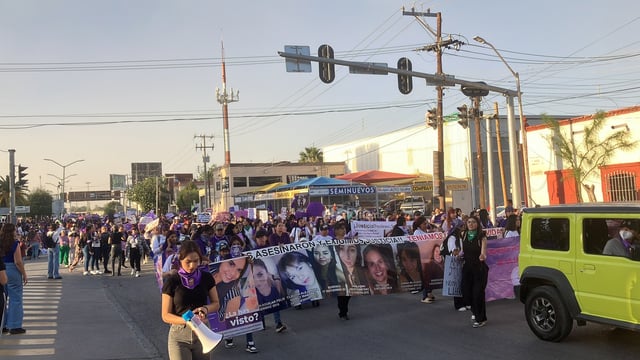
[502,259]
[239,311]
[275,278]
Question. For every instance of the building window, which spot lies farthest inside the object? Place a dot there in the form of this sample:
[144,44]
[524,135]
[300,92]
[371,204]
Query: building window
[550,234]
[293,178]
[263,180]
[239,182]
[622,186]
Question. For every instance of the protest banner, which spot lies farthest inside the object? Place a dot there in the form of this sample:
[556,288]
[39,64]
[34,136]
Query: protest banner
[502,259]
[275,278]
[452,277]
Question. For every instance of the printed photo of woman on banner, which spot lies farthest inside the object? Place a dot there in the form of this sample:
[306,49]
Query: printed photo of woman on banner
[271,294]
[381,269]
[296,273]
[354,273]
[239,309]
[330,277]
[411,275]
[432,263]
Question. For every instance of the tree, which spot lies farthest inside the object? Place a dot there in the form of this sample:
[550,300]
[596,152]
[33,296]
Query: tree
[586,157]
[144,194]
[187,196]
[111,208]
[311,155]
[40,202]
[5,193]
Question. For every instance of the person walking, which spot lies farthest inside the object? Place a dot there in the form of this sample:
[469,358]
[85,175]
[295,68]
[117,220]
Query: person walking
[135,243]
[475,271]
[53,254]
[64,248]
[16,279]
[115,241]
[190,288]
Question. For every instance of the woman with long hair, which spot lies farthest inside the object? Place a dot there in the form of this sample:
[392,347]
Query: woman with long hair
[191,288]
[378,260]
[475,271]
[16,278]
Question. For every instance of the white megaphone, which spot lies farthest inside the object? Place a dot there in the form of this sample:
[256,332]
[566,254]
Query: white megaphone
[208,338]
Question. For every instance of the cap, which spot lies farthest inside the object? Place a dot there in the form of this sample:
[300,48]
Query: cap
[223,245]
[324,227]
[219,226]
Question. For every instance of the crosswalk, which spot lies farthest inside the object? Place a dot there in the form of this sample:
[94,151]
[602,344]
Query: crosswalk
[41,304]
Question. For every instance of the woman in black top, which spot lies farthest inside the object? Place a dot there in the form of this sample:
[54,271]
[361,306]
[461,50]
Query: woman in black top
[191,288]
[475,270]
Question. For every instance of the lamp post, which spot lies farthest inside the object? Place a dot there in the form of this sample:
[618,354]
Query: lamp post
[64,172]
[525,152]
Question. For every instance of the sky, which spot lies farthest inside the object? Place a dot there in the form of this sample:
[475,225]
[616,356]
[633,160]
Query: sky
[116,82]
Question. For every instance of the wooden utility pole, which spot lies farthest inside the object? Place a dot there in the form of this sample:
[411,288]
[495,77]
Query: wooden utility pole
[439,46]
[500,159]
[476,120]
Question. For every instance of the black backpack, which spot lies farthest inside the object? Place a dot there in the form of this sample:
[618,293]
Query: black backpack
[48,242]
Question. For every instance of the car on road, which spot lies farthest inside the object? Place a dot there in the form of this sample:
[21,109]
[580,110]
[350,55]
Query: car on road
[568,272]
[410,204]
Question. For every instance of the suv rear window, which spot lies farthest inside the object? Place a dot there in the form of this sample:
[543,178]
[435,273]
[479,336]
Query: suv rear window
[550,234]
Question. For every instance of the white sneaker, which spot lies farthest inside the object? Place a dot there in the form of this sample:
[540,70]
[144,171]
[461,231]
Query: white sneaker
[462,309]
[93,272]
[99,272]
[137,273]
[85,273]
[133,272]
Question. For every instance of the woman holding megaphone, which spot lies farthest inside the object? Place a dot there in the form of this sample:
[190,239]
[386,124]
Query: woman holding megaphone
[191,288]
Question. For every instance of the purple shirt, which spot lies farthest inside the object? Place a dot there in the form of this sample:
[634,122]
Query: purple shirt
[275,239]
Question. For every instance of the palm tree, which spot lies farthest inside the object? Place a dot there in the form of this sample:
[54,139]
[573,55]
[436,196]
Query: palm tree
[5,192]
[311,155]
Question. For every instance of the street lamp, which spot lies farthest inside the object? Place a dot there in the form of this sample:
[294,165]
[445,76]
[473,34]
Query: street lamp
[63,180]
[525,151]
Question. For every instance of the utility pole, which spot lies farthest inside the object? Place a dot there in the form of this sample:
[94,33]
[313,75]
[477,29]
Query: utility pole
[224,98]
[476,120]
[205,160]
[500,159]
[12,186]
[438,48]
[492,197]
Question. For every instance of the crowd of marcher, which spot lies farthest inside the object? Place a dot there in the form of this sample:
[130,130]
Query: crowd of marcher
[104,246]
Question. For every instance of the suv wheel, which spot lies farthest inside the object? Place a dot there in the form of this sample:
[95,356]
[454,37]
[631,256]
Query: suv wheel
[547,315]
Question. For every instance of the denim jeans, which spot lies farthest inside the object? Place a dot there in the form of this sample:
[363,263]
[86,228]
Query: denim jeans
[87,256]
[95,258]
[53,261]
[14,288]
[35,251]
[276,317]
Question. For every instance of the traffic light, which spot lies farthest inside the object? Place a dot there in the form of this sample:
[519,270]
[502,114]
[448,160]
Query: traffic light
[327,71]
[22,182]
[432,118]
[405,82]
[463,114]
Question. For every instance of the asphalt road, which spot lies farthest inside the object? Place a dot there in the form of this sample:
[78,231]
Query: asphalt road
[385,327]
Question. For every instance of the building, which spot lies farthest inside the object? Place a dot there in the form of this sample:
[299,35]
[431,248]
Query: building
[141,171]
[551,178]
[231,183]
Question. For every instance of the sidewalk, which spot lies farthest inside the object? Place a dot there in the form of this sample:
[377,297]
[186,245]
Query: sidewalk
[73,318]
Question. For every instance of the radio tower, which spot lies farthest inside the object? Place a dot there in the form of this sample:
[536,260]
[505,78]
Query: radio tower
[224,98]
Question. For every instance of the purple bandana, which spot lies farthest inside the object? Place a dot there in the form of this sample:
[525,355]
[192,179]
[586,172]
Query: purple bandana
[190,280]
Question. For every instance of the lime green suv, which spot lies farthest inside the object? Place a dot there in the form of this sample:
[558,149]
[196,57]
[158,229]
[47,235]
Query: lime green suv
[580,263]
